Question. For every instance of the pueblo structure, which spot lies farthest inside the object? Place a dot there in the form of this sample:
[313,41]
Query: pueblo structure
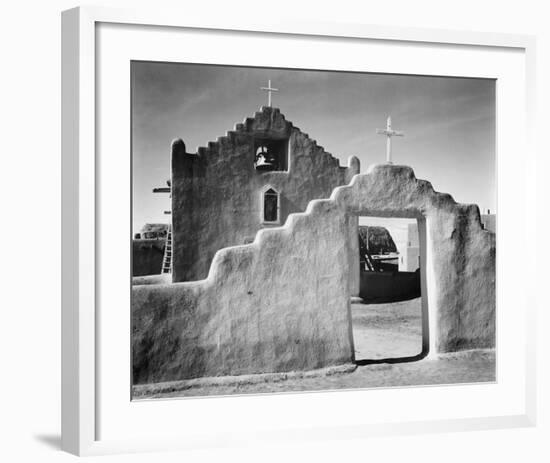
[266,286]
[251,178]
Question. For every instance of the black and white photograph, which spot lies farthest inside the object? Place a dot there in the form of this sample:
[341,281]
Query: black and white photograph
[275,232]
[305,230]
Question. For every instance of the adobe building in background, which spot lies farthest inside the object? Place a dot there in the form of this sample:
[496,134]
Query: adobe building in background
[249,179]
[148,249]
[409,260]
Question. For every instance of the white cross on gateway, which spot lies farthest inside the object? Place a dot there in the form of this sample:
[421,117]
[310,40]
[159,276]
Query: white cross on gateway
[388,132]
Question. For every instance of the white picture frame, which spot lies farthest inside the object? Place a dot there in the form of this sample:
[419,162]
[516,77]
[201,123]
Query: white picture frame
[82,373]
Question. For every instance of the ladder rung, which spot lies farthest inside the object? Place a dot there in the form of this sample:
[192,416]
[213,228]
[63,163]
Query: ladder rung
[167,258]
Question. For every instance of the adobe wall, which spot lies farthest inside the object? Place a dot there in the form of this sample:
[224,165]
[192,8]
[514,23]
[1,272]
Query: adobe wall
[380,287]
[410,258]
[282,302]
[216,193]
[278,304]
[460,254]
[147,256]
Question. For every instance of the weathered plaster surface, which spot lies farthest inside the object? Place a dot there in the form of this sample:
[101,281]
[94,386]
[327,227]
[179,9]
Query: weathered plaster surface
[281,303]
[460,254]
[278,304]
[216,193]
[159,279]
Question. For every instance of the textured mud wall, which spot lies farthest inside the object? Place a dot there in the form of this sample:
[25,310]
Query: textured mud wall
[147,257]
[282,302]
[217,192]
[460,253]
[278,304]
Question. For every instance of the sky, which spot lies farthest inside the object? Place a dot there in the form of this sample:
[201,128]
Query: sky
[449,123]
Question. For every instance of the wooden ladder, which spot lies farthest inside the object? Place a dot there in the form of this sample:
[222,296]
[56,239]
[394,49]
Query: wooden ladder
[365,253]
[369,261]
[167,259]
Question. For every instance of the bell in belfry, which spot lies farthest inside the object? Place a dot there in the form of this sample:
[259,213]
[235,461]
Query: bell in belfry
[264,159]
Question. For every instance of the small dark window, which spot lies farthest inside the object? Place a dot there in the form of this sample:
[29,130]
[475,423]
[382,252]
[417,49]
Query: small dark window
[271,206]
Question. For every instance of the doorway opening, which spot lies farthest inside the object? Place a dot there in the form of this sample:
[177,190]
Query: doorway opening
[389,316]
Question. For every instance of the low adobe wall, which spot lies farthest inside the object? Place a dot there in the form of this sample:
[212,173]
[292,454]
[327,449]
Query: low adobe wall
[278,304]
[147,256]
[281,303]
[389,286]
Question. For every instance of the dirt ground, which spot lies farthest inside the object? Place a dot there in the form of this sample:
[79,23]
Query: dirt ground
[380,331]
[387,330]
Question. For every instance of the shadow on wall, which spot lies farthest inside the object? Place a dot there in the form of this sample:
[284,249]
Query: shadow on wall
[380,287]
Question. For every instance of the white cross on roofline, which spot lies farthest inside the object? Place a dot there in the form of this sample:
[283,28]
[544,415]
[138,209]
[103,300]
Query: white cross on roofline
[269,90]
[388,132]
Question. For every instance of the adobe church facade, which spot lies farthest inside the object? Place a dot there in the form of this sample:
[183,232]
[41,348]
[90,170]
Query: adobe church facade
[282,302]
[249,179]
